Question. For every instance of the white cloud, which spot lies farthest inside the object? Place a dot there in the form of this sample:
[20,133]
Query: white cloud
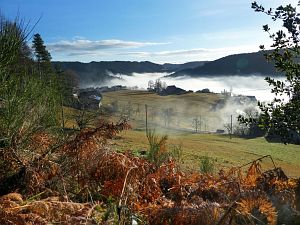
[88,47]
[85,50]
[168,53]
[185,55]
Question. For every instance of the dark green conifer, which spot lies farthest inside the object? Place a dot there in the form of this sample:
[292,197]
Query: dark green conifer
[40,51]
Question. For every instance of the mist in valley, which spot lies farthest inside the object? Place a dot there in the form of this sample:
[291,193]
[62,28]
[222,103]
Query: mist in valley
[182,112]
[240,85]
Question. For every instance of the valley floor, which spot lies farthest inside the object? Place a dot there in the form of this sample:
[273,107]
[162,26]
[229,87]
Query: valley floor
[225,152]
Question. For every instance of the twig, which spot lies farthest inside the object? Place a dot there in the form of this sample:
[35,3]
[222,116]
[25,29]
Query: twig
[90,196]
[90,212]
[124,185]
[119,209]
[35,196]
[63,183]
[259,160]
[231,207]
[19,207]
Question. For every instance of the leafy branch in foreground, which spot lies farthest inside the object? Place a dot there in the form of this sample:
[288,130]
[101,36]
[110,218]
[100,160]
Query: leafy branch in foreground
[282,116]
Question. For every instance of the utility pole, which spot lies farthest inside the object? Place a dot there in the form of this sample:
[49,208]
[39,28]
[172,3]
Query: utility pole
[200,124]
[146,109]
[196,124]
[138,109]
[230,126]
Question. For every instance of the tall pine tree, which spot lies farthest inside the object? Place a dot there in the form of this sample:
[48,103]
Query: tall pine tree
[40,51]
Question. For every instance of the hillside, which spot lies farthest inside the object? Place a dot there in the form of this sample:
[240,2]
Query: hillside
[188,65]
[238,64]
[99,71]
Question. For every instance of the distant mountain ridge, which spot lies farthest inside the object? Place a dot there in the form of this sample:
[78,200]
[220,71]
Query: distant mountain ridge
[177,67]
[93,72]
[244,64]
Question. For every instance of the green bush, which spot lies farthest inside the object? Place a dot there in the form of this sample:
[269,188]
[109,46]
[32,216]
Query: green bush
[207,165]
[29,99]
[157,152]
[176,153]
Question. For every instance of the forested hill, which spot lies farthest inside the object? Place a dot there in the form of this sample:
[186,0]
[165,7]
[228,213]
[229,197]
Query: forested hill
[88,73]
[177,67]
[100,71]
[239,64]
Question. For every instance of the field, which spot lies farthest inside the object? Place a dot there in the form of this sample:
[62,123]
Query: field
[174,111]
[225,152]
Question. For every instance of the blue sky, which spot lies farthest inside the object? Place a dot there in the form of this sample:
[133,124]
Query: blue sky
[161,31]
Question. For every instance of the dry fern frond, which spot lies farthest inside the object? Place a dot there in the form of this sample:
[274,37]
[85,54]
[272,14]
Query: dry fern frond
[253,174]
[15,197]
[257,209]
[206,213]
[44,211]
[40,142]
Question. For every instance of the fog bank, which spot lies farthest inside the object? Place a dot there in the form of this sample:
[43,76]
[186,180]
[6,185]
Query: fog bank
[244,85]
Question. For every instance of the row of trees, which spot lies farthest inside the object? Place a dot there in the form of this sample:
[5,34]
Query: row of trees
[156,86]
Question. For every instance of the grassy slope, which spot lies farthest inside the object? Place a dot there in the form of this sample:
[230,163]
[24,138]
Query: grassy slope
[185,107]
[226,152]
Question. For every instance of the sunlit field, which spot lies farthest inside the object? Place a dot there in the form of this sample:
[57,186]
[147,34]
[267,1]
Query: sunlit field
[225,152]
